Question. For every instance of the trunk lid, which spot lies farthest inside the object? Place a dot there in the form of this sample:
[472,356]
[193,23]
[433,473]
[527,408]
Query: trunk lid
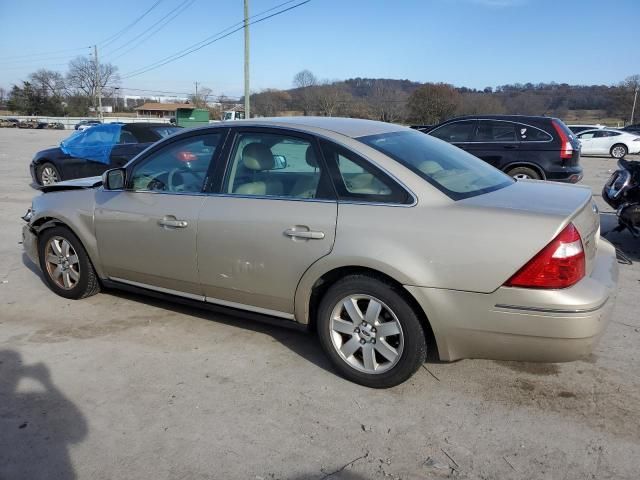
[566,203]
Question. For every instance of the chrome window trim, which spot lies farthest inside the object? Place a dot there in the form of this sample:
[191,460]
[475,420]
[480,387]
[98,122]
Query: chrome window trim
[154,192]
[204,299]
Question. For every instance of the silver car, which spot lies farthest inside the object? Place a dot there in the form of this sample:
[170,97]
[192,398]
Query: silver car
[389,243]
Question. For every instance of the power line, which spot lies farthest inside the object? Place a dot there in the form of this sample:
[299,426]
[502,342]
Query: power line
[115,36]
[215,38]
[181,8]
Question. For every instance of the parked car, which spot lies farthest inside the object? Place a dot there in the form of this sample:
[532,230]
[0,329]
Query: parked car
[522,146]
[635,128]
[53,164]
[608,141]
[9,122]
[388,242]
[84,124]
[422,128]
[581,128]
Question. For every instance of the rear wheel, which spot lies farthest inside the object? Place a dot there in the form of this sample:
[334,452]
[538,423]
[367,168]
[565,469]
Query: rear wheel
[370,332]
[65,264]
[618,151]
[521,173]
[48,174]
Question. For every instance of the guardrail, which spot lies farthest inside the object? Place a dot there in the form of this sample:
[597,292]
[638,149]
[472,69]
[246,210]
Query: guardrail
[70,122]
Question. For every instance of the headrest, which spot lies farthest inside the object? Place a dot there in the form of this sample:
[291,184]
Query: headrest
[311,157]
[257,156]
[429,167]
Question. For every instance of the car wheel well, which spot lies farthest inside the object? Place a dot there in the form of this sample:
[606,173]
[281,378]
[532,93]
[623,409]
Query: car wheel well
[532,166]
[323,283]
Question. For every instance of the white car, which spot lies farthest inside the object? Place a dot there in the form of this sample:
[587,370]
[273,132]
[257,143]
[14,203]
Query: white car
[581,128]
[608,141]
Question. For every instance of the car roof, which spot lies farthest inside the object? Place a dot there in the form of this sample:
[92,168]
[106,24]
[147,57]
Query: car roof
[520,118]
[350,127]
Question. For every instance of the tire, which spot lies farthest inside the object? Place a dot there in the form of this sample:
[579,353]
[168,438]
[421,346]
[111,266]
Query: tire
[524,173]
[618,151]
[69,279]
[346,342]
[48,174]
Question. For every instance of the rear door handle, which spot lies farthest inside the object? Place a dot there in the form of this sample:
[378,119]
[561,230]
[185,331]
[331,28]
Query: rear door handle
[306,234]
[171,222]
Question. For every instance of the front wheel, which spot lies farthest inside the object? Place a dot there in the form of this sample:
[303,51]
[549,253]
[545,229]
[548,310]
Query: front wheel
[370,332]
[65,264]
[48,174]
[618,151]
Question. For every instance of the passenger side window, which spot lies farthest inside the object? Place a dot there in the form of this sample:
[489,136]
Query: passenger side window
[180,167]
[357,179]
[586,135]
[267,164]
[495,131]
[127,137]
[527,133]
[455,131]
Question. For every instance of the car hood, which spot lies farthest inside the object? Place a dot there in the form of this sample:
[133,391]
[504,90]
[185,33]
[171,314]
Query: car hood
[77,184]
[52,152]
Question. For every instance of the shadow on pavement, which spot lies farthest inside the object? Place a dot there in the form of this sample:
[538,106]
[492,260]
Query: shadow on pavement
[623,241]
[37,423]
[300,342]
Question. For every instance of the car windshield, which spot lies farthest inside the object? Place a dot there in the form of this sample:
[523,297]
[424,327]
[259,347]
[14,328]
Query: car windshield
[453,171]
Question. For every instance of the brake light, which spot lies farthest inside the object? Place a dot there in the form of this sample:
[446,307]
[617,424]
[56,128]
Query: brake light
[186,156]
[566,148]
[558,265]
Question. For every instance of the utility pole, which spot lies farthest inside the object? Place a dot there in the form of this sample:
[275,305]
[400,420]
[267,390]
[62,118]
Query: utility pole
[633,109]
[98,86]
[196,97]
[247,93]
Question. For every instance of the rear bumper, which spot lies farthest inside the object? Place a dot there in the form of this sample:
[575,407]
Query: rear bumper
[524,324]
[565,174]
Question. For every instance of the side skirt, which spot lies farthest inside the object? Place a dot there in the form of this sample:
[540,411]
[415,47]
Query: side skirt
[215,308]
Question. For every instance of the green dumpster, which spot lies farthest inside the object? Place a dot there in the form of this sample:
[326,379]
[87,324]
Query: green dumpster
[191,117]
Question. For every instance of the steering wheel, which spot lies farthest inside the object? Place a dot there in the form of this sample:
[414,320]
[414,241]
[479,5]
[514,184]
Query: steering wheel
[171,179]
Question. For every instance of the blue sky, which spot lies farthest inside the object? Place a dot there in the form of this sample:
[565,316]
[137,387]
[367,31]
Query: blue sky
[474,43]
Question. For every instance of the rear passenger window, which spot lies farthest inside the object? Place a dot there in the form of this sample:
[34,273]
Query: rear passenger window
[494,131]
[455,131]
[527,133]
[357,179]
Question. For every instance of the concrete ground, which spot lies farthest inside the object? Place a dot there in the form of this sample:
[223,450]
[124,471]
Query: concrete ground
[123,386]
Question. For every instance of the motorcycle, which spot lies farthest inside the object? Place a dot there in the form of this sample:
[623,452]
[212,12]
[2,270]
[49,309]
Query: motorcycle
[622,192]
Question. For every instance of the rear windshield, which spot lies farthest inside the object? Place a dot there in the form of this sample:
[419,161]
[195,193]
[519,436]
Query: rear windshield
[166,131]
[453,171]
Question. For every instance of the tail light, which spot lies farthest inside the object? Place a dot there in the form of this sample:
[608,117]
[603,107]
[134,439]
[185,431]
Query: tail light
[558,265]
[186,156]
[566,148]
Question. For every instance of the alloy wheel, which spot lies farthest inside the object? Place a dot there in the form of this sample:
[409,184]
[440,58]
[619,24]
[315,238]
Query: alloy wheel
[521,176]
[61,260]
[49,176]
[618,151]
[366,334]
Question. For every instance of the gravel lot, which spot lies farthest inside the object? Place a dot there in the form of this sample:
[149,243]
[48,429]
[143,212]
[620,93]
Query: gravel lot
[123,386]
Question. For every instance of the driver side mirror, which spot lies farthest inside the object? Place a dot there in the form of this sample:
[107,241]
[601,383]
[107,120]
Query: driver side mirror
[114,179]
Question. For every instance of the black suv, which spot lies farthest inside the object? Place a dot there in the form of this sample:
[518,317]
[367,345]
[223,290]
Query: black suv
[522,146]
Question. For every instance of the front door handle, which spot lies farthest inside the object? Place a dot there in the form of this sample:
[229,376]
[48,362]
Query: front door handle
[306,234]
[171,222]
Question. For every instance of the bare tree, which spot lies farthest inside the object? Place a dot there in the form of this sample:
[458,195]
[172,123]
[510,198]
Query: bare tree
[433,103]
[387,102]
[202,98]
[480,103]
[305,83]
[50,83]
[331,99]
[81,77]
[270,102]
[3,95]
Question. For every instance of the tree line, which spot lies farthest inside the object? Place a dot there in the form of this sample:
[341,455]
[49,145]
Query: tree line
[51,93]
[405,101]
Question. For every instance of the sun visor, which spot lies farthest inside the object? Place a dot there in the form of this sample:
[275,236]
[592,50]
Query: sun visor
[94,143]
